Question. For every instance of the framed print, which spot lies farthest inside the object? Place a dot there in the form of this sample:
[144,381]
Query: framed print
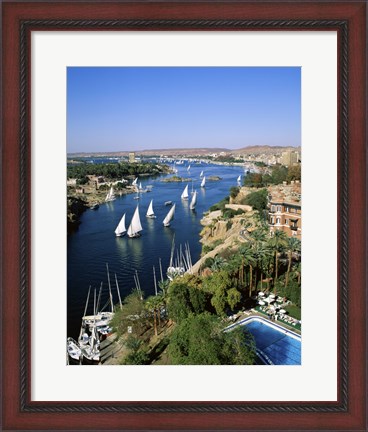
[180,141]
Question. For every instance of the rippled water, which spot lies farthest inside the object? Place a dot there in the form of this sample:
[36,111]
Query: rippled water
[94,244]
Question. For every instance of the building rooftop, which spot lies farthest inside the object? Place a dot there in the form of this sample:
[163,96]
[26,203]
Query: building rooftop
[288,193]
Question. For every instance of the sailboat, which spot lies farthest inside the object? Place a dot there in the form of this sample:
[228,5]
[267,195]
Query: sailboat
[135,226]
[140,186]
[201,174]
[134,183]
[150,213]
[188,169]
[194,201]
[203,184]
[120,229]
[110,195]
[185,194]
[169,217]
[74,351]
[239,179]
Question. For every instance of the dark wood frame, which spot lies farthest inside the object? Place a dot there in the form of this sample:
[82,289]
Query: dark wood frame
[18,20]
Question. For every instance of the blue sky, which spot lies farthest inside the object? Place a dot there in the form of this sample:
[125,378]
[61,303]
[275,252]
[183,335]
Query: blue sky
[137,108]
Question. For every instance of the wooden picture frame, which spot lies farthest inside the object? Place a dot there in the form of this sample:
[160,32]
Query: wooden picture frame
[18,21]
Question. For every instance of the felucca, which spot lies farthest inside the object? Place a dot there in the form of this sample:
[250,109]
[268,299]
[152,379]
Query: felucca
[169,217]
[135,226]
[203,184]
[185,194]
[150,213]
[120,229]
[110,195]
[194,201]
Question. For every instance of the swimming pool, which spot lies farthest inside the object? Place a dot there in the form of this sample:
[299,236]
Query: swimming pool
[275,344]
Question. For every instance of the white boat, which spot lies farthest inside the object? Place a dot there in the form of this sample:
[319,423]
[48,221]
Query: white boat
[194,201]
[167,203]
[110,195]
[203,184]
[239,179]
[135,226]
[188,168]
[74,351]
[201,174]
[169,217]
[134,183]
[185,194]
[120,229]
[140,186]
[150,213]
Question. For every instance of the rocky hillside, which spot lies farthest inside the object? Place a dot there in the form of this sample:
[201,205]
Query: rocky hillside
[221,233]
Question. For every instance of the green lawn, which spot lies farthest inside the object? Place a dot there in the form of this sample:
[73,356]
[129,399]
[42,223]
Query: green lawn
[294,311]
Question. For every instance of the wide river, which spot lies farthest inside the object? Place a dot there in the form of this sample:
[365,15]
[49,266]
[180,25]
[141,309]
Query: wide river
[94,243]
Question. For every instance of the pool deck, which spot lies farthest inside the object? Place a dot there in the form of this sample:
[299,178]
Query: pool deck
[240,316]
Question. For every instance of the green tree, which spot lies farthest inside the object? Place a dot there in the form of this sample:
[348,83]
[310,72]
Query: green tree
[200,340]
[277,242]
[294,173]
[217,284]
[258,199]
[233,297]
[293,245]
[178,301]
[248,255]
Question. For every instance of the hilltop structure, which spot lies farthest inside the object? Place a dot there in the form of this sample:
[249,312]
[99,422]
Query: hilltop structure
[285,208]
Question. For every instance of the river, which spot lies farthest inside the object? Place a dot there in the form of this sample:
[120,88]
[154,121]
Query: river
[94,243]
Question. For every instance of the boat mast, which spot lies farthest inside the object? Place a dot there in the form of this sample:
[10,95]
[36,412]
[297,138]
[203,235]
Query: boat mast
[162,278]
[154,279]
[117,289]
[108,278]
[85,311]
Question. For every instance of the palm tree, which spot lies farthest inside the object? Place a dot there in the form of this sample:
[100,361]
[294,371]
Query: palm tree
[262,254]
[247,253]
[293,245]
[297,269]
[152,305]
[277,242]
[218,263]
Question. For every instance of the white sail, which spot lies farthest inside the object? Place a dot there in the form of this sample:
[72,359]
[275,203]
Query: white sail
[120,229]
[134,183]
[110,195]
[135,225]
[140,185]
[203,184]
[150,213]
[170,216]
[194,201]
[188,168]
[185,194]
[239,179]
[201,174]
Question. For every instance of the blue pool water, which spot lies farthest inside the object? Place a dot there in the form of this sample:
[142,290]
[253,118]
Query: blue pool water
[279,346]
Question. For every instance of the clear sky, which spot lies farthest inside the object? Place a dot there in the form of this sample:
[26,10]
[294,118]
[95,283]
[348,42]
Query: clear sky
[137,108]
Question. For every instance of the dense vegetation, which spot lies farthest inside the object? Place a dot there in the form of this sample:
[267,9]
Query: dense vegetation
[274,175]
[113,171]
